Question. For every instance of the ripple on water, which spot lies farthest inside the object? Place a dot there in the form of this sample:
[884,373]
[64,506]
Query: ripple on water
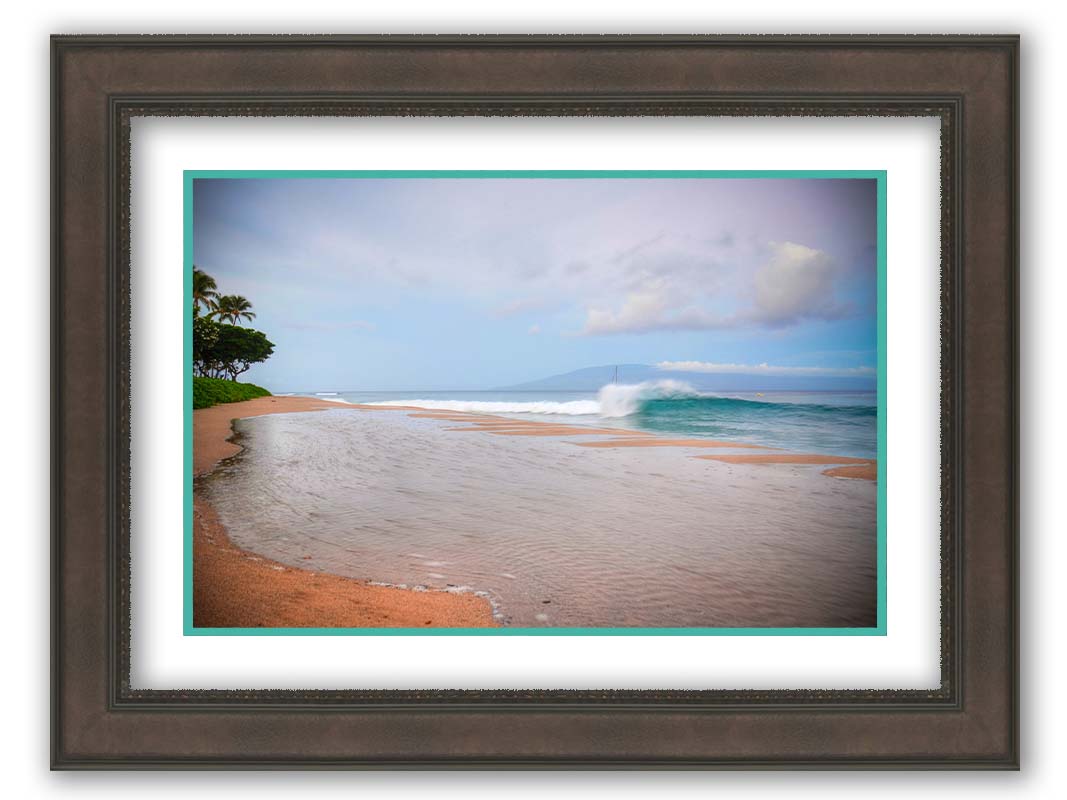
[640,537]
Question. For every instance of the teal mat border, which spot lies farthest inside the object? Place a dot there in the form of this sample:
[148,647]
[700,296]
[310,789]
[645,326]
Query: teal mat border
[191,175]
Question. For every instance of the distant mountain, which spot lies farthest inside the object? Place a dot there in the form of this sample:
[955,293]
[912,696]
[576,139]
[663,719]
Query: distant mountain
[589,379]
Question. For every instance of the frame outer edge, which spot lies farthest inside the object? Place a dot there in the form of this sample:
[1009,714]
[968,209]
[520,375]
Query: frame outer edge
[64,758]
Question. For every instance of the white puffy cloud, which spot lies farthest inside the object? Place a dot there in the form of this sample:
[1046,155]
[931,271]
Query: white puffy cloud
[764,369]
[654,308]
[673,290]
[796,283]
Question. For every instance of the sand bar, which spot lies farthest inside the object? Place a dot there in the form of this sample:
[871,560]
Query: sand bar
[235,588]
[529,428]
[655,441]
[862,468]
[866,472]
[548,429]
[449,416]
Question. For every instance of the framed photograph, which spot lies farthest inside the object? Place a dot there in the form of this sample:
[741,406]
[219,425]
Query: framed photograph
[579,266]
[535,401]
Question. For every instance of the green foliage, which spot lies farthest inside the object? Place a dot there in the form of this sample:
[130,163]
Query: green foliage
[224,350]
[204,291]
[227,350]
[213,391]
[232,308]
[205,337]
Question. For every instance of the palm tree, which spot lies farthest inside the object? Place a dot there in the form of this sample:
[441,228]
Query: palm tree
[232,308]
[204,291]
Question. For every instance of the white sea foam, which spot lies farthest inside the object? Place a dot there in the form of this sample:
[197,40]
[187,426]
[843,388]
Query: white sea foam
[624,399]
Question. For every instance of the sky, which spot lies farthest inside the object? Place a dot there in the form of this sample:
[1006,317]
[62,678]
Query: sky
[477,283]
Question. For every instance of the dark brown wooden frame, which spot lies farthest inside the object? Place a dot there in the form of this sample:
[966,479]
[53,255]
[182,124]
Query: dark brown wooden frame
[100,83]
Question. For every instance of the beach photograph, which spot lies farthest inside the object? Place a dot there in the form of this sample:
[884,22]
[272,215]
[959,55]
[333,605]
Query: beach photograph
[519,402]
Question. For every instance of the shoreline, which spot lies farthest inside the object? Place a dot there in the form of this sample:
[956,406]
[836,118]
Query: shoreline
[235,588]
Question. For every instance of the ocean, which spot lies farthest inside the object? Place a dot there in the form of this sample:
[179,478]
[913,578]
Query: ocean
[832,423]
[558,535]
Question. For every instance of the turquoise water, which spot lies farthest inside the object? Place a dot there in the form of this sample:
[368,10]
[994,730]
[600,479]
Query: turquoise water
[834,423]
[816,424]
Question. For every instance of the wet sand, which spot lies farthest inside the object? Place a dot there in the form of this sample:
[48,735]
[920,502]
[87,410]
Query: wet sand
[861,468]
[867,471]
[655,441]
[212,426]
[547,429]
[235,588]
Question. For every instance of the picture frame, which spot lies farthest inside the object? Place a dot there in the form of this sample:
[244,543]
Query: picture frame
[969,83]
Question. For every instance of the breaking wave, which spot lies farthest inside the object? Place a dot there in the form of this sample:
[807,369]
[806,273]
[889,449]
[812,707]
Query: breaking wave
[624,399]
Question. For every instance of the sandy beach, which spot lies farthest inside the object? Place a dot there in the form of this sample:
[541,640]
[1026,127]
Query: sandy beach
[235,588]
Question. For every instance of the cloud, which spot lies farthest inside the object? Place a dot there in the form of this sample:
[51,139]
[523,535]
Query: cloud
[671,291]
[534,330]
[654,309]
[633,250]
[678,262]
[355,324]
[529,272]
[764,369]
[797,283]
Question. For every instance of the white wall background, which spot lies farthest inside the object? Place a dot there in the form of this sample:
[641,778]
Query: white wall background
[24,742]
